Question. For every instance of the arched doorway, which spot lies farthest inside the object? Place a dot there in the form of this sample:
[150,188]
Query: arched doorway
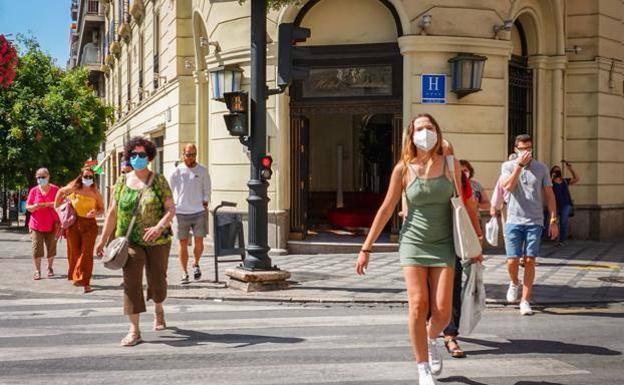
[520,114]
[349,106]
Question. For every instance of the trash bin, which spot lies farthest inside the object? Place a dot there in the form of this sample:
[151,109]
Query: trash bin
[229,238]
[13,214]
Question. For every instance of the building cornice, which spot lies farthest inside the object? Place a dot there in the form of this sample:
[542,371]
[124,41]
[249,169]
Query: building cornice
[233,56]
[452,44]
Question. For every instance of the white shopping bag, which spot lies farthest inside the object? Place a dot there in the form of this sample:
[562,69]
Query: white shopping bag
[491,231]
[473,298]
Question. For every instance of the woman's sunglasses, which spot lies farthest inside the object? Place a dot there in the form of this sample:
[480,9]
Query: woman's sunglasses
[87,176]
[142,154]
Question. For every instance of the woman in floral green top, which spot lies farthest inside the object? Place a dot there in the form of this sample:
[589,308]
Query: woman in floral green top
[150,239]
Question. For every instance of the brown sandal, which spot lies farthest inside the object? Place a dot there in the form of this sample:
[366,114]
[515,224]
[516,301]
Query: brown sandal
[455,352]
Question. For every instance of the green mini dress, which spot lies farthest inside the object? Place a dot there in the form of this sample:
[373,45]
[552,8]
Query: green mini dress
[426,237]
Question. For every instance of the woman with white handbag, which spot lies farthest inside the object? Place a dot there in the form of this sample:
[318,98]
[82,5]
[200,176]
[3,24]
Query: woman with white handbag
[426,245]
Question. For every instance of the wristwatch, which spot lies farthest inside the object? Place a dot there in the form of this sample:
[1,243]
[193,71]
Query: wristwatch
[554,220]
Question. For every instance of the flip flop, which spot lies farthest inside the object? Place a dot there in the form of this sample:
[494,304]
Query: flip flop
[37,275]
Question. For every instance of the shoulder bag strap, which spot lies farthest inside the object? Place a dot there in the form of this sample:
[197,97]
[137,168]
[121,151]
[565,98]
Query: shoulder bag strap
[138,206]
[450,162]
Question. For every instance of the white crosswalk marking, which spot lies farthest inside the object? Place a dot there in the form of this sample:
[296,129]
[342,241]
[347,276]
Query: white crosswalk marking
[69,340]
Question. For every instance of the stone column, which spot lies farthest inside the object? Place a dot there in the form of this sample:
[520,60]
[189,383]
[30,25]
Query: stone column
[201,116]
[548,109]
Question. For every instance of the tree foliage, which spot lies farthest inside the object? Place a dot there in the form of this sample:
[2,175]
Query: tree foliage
[48,118]
[277,4]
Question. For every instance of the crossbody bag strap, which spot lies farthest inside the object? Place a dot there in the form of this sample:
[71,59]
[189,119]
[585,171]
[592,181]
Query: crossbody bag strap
[450,162]
[138,206]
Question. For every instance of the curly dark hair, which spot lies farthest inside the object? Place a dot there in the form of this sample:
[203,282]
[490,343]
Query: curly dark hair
[467,164]
[139,141]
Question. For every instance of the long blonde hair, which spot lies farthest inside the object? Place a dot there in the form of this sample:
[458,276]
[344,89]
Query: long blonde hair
[409,150]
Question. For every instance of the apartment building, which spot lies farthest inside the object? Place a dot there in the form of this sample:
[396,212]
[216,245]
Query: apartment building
[86,40]
[552,68]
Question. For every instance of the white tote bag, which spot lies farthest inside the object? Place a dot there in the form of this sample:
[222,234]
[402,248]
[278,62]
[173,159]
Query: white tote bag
[465,238]
[491,231]
[473,299]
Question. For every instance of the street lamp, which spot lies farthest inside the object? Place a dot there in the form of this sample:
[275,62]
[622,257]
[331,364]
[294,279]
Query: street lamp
[225,79]
[467,73]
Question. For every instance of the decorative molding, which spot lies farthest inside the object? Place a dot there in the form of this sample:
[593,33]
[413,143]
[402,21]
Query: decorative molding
[234,56]
[558,62]
[413,44]
[350,106]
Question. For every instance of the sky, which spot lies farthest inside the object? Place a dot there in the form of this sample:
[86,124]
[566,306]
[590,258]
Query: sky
[47,20]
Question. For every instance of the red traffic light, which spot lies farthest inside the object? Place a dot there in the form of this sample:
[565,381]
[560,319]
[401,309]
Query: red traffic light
[266,161]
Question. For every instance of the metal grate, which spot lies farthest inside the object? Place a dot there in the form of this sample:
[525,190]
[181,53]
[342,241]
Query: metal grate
[93,6]
[520,99]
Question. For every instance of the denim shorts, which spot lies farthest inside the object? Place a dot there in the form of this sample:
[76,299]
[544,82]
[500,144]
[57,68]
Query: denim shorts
[522,240]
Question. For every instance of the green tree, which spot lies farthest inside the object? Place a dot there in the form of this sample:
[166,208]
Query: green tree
[277,4]
[48,118]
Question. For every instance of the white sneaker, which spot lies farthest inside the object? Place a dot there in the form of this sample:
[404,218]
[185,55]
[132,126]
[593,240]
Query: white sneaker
[424,375]
[435,359]
[525,308]
[512,293]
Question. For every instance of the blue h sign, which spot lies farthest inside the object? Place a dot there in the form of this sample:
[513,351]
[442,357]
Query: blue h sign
[433,88]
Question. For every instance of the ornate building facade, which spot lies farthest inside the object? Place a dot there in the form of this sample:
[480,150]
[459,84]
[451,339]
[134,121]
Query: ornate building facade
[553,69]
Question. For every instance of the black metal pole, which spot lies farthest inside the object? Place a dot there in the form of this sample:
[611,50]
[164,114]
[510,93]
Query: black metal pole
[257,247]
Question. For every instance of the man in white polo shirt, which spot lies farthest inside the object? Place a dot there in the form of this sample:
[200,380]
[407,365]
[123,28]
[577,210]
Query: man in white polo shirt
[190,184]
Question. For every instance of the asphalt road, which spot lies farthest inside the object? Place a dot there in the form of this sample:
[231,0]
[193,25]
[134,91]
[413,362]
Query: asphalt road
[54,339]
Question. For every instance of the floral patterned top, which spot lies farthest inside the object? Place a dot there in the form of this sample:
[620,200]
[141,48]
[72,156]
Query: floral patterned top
[152,209]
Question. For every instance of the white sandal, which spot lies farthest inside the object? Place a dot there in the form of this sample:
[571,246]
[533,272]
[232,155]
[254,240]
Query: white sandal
[131,339]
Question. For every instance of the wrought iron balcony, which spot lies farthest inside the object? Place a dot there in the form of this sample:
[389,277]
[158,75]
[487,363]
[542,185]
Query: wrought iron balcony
[93,7]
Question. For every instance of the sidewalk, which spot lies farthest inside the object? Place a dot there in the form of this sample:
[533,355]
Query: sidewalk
[580,272]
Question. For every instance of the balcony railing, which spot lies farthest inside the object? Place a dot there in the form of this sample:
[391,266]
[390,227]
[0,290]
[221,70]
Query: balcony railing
[91,55]
[93,6]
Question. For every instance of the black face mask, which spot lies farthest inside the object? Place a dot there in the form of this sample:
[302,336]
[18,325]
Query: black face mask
[556,174]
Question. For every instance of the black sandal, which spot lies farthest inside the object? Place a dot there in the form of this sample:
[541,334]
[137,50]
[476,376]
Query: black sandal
[456,352]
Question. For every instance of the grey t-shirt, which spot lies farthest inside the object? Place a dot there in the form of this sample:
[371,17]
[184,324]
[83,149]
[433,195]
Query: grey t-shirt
[526,201]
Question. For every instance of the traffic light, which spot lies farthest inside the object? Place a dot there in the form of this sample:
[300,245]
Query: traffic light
[236,120]
[287,70]
[266,162]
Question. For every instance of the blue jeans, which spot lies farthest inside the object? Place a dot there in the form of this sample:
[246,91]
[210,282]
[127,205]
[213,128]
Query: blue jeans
[564,214]
[522,240]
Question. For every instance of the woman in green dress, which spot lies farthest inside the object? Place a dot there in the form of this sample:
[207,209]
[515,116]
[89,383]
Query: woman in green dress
[150,239]
[426,248]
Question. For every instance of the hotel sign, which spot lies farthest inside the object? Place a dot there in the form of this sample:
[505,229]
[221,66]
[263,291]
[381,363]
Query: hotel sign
[433,88]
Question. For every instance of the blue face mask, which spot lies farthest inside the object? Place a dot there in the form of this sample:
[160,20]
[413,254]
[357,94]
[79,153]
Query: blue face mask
[138,163]
[87,182]
[42,181]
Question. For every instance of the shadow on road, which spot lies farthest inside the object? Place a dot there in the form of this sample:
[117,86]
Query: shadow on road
[537,383]
[587,312]
[537,346]
[186,337]
[460,380]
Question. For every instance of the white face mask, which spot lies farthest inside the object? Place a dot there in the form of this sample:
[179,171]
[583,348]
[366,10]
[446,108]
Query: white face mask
[425,139]
[87,182]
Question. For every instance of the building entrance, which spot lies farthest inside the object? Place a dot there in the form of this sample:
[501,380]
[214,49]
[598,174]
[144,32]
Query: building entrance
[346,130]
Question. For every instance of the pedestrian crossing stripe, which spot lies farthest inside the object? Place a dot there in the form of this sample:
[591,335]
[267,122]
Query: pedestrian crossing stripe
[321,373]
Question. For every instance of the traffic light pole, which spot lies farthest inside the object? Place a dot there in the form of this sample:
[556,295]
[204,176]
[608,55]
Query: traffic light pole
[257,246]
